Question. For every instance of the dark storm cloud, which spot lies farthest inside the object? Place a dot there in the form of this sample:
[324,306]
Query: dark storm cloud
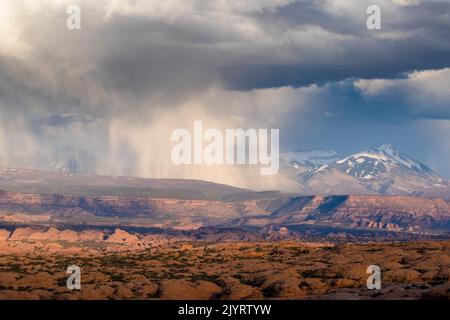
[132,60]
[414,38]
[143,59]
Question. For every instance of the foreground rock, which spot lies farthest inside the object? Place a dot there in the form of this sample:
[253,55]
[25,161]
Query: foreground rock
[229,270]
[184,290]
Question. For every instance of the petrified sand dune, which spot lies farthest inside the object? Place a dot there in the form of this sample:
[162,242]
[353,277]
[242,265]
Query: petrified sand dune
[4,235]
[91,235]
[121,236]
[50,235]
[21,234]
[287,270]
[282,285]
[52,240]
[68,235]
[233,289]
[184,290]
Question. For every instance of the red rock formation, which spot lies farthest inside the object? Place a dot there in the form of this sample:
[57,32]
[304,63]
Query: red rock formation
[4,235]
[21,234]
[91,235]
[68,235]
[50,235]
[120,236]
[127,206]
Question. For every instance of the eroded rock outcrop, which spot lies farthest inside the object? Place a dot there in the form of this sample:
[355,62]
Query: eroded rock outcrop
[21,234]
[120,236]
[4,235]
[91,235]
[50,235]
[184,290]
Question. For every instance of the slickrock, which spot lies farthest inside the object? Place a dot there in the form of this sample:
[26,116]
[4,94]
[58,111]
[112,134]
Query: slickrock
[52,247]
[123,293]
[18,295]
[282,270]
[402,275]
[120,236]
[429,275]
[314,285]
[156,241]
[186,247]
[91,292]
[356,272]
[281,285]
[91,235]
[38,280]
[95,276]
[392,265]
[72,250]
[4,235]
[235,290]
[8,279]
[50,235]
[445,274]
[185,290]
[346,283]
[148,290]
[21,234]
[68,235]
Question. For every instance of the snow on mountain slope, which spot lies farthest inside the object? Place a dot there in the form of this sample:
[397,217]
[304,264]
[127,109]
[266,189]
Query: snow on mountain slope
[378,162]
[370,164]
[383,170]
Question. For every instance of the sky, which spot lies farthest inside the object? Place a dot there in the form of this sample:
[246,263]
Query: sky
[137,70]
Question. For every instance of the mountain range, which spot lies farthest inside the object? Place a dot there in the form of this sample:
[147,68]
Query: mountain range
[29,197]
[383,170]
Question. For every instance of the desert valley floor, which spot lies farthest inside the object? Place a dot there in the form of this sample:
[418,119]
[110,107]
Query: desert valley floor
[135,238]
[125,267]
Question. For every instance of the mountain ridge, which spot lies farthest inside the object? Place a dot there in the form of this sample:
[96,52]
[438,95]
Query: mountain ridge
[410,214]
[382,170]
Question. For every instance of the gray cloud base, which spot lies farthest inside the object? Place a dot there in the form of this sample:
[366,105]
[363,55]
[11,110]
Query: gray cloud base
[132,62]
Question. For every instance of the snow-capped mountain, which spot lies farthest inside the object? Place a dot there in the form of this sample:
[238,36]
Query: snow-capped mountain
[382,170]
[372,164]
